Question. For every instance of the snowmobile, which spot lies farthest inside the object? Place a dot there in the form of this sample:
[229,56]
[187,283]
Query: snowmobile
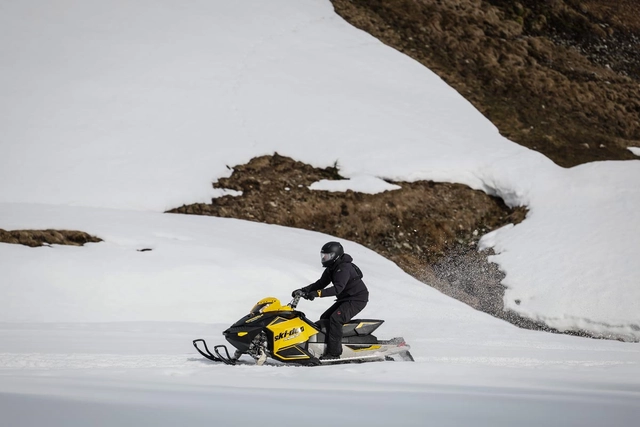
[282,333]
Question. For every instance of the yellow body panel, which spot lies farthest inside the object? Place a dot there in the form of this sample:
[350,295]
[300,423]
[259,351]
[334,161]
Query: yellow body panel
[289,332]
[372,347]
[361,324]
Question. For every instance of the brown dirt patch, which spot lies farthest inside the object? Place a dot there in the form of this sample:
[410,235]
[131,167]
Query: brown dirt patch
[413,226]
[35,238]
[559,77]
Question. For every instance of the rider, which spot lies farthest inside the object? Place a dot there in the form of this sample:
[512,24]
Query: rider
[349,289]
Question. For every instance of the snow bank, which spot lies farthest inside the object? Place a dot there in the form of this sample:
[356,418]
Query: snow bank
[360,184]
[571,264]
[139,105]
[199,269]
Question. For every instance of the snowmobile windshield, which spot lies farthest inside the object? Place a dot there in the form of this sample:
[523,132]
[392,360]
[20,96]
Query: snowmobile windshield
[327,257]
[257,309]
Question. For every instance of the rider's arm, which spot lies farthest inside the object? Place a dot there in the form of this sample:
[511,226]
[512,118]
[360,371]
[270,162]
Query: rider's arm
[322,283]
[340,279]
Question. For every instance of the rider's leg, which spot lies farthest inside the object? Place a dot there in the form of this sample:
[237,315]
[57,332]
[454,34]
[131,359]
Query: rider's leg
[342,313]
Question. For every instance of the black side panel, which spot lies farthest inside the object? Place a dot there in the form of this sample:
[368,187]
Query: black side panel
[261,320]
[304,318]
[360,327]
[355,327]
[243,342]
[365,339]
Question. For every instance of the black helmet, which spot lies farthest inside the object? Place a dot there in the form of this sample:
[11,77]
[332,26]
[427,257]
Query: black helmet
[330,253]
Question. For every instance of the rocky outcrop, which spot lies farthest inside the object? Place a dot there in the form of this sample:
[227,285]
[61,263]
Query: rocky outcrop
[559,77]
[35,238]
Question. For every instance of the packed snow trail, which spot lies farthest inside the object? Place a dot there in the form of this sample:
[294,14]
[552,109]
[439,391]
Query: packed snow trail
[149,373]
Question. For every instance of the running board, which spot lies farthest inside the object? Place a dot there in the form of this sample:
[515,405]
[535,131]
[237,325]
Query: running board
[401,349]
[369,358]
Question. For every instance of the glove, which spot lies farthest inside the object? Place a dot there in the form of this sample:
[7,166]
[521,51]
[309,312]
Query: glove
[302,292]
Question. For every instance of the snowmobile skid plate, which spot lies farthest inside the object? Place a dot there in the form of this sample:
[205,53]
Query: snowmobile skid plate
[399,353]
[226,359]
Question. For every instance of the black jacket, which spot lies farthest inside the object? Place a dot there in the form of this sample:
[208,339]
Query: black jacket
[346,279]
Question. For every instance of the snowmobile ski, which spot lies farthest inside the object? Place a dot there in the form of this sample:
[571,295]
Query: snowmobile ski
[226,359]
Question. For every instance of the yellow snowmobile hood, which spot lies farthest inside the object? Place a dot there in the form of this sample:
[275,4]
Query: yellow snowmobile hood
[268,304]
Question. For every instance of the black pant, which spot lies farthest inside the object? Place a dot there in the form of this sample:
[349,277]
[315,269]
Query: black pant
[337,315]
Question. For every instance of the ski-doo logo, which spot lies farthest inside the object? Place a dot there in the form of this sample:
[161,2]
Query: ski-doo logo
[291,333]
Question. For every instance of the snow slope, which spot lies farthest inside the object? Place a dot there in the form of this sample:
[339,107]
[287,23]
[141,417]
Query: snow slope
[140,105]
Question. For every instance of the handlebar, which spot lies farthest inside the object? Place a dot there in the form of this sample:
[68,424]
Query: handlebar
[294,302]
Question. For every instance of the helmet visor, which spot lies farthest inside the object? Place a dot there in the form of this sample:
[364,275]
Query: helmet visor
[327,256]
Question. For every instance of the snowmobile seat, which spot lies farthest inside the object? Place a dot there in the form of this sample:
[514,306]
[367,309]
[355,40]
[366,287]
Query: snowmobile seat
[355,327]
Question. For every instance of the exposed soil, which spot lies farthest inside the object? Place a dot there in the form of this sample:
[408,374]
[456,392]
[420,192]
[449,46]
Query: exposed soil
[559,77]
[35,238]
[413,226]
